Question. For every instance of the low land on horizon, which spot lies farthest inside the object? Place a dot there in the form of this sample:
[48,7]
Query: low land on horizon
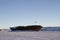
[57,28]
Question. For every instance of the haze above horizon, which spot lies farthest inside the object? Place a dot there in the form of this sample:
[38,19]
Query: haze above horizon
[26,12]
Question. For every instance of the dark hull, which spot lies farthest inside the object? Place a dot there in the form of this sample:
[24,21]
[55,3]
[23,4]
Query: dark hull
[27,28]
[0,29]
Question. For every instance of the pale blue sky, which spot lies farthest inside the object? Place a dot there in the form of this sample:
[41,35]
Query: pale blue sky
[25,12]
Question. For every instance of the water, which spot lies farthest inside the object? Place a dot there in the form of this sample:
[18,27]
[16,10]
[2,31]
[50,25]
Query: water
[29,35]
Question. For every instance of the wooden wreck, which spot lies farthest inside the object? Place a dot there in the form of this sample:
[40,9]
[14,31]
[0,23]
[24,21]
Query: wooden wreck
[27,28]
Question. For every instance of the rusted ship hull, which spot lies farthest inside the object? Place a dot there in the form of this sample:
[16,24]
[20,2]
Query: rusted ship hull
[27,28]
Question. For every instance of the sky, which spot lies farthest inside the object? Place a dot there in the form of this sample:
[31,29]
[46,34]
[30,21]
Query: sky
[27,12]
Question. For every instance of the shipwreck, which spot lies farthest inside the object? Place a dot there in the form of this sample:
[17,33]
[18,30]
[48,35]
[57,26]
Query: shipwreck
[27,28]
